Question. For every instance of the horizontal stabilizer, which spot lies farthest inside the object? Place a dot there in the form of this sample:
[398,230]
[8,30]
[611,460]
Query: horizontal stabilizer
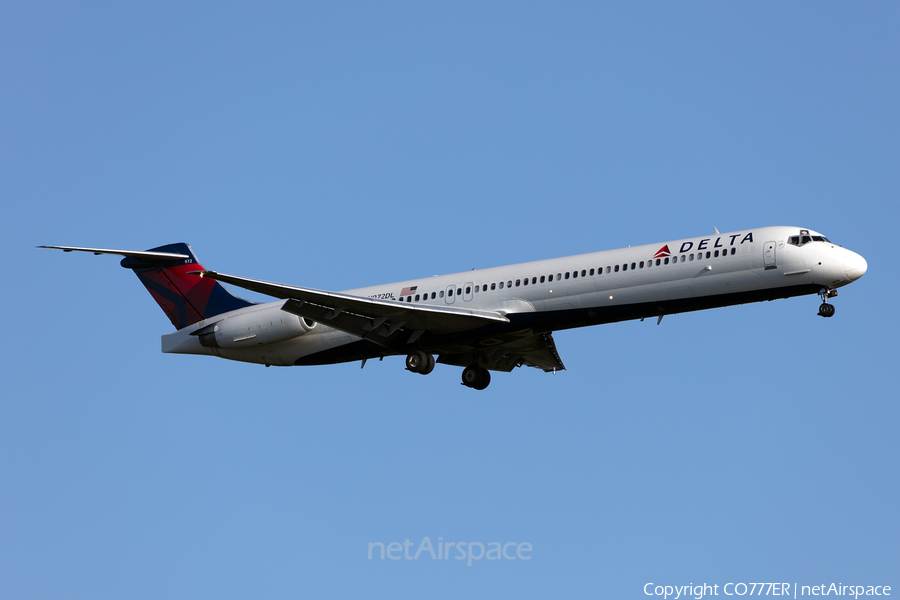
[163,256]
[165,272]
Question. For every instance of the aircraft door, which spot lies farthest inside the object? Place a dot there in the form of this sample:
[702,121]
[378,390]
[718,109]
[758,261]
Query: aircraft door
[450,294]
[769,255]
[467,292]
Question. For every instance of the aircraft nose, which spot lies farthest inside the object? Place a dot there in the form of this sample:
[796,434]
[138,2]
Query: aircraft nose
[855,265]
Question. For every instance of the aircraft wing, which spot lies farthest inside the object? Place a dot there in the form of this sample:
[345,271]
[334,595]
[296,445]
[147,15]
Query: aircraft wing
[388,323]
[527,349]
[540,352]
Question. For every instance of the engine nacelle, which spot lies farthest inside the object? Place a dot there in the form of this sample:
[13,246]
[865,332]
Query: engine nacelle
[267,326]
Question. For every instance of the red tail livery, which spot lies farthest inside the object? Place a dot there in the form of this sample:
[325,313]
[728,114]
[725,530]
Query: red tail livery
[186,299]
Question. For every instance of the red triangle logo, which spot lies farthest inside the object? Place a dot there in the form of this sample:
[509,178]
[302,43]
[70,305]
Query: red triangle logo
[664,251]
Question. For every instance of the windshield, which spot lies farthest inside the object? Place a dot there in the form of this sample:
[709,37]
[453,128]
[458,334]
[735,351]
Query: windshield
[805,238]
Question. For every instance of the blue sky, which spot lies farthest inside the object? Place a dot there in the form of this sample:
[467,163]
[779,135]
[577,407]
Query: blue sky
[352,144]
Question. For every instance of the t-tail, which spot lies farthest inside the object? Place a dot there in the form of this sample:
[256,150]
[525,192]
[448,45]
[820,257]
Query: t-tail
[165,271]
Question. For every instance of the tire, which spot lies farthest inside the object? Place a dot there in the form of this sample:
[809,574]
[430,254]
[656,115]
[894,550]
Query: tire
[417,361]
[485,380]
[471,376]
[476,377]
[428,367]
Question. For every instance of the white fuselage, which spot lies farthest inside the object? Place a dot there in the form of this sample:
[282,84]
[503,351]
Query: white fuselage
[547,295]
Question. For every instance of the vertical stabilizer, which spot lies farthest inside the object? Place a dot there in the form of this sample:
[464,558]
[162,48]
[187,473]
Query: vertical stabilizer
[186,299]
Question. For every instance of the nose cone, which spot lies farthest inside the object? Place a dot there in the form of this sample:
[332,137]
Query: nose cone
[855,265]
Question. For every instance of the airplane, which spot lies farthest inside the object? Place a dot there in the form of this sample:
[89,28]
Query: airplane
[483,320]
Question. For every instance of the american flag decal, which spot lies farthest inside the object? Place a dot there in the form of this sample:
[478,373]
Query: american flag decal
[409,290]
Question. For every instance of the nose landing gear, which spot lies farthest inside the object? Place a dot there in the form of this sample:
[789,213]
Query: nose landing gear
[825,309]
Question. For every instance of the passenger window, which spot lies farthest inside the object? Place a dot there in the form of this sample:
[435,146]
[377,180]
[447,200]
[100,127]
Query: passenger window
[592,272]
[707,254]
[558,276]
[501,285]
[417,297]
[657,261]
[476,289]
[716,254]
[469,290]
[665,262]
[691,257]
[642,264]
[449,292]
[442,294]
[733,250]
[525,281]
[625,267]
[617,268]
[632,266]
[509,283]
[432,295]
[493,286]
[542,279]
[607,269]
[583,272]
[518,281]
[567,274]
[533,280]
[409,298]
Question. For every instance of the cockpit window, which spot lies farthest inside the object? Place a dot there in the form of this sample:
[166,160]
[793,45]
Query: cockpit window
[799,240]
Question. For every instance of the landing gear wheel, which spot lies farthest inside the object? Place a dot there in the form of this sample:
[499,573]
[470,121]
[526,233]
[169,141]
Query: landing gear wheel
[476,377]
[420,362]
[825,309]
[485,380]
[417,361]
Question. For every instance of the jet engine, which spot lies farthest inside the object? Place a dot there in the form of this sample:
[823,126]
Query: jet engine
[268,326]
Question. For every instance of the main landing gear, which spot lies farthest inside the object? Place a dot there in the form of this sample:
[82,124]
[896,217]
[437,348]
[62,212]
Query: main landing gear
[473,376]
[825,309]
[420,362]
[476,377]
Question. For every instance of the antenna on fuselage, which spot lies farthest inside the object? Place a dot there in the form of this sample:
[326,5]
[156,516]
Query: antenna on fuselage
[715,230]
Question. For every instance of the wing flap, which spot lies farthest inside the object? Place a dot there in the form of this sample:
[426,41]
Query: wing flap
[523,349]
